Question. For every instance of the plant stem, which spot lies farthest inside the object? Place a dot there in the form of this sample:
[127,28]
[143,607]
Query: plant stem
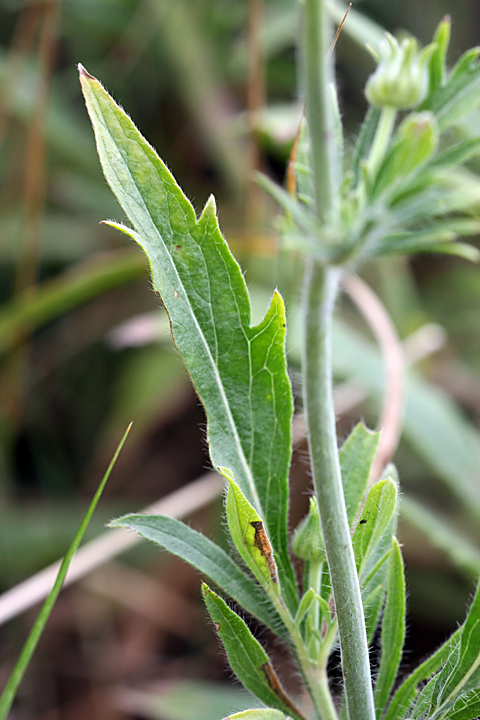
[321,285]
[317,70]
[319,299]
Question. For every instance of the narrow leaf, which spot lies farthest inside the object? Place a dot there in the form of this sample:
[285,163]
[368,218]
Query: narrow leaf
[408,690]
[9,692]
[438,60]
[205,556]
[393,628]
[459,95]
[238,370]
[468,708]
[375,517]
[305,605]
[247,658]
[461,673]
[356,458]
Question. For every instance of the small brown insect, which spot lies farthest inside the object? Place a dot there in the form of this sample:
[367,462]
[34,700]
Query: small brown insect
[263,544]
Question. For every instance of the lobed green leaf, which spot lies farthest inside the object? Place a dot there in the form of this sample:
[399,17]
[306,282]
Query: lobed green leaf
[205,556]
[238,370]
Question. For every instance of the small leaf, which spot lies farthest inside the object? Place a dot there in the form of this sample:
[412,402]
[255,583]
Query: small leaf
[393,628]
[408,690]
[468,708]
[459,95]
[415,143]
[461,673]
[260,714]
[205,556]
[305,605]
[249,536]
[438,60]
[247,658]
[457,154]
[307,542]
[356,458]
[364,143]
[375,517]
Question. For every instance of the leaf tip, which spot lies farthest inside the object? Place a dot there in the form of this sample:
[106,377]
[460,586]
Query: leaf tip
[83,73]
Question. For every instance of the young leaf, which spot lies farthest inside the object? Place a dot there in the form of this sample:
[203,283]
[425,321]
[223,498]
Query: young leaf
[437,64]
[393,628]
[460,674]
[459,94]
[205,556]
[305,605]
[408,690]
[364,142]
[247,658]
[376,515]
[248,533]
[468,708]
[238,370]
[260,714]
[356,458]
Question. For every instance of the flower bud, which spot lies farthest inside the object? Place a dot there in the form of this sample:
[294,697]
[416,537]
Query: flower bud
[307,538]
[401,78]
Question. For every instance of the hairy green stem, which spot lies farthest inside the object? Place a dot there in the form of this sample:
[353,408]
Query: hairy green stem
[319,299]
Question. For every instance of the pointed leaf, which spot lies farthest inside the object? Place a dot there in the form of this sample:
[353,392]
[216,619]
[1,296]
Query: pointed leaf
[356,459]
[247,658]
[248,533]
[408,690]
[437,65]
[364,143]
[305,605]
[393,628]
[459,95]
[375,517]
[259,714]
[468,708]
[461,673]
[205,556]
[238,370]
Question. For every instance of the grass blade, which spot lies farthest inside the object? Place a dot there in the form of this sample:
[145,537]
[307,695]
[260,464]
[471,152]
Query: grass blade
[31,643]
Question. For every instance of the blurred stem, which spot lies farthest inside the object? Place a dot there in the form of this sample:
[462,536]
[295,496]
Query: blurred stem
[254,201]
[318,77]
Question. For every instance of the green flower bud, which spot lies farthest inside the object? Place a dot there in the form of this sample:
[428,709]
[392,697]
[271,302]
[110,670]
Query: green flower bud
[307,539]
[401,78]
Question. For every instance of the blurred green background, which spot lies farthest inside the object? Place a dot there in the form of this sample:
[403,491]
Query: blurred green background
[85,348]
